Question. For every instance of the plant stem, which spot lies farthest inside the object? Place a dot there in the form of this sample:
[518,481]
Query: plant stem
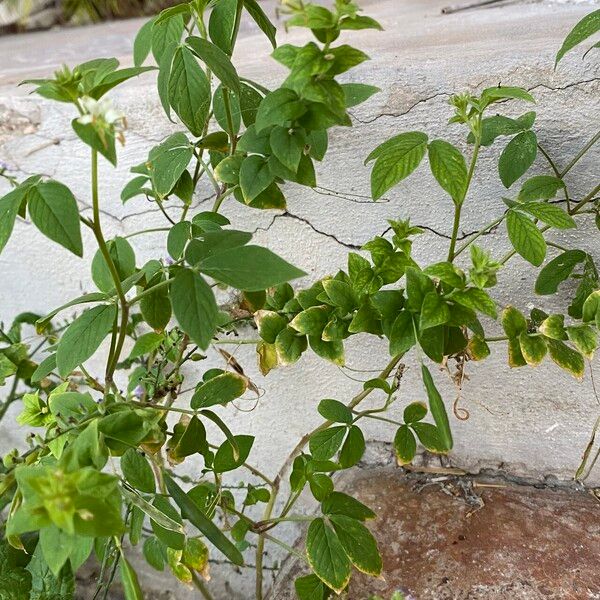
[585,200]
[97,228]
[201,587]
[477,235]
[232,136]
[557,173]
[458,205]
[455,226]
[580,154]
[143,231]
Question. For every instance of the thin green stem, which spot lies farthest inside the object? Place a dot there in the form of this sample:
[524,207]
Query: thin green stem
[97,228]
[201,587]
[557,173]
[458,205]
[481,232]
[144,231]
[580,154]
[585,200]
[230,126]
[221,196]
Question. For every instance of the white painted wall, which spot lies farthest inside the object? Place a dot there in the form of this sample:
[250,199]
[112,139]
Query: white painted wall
[529,422]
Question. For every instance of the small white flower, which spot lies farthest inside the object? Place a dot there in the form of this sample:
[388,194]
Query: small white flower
[100,110]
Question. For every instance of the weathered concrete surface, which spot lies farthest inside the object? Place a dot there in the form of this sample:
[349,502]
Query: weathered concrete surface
[531,422]
[456,538]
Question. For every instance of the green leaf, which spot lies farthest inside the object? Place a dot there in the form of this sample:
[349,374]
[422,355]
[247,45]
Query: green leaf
[153,553]
[395,160]
[229,458]
[341,294]
[189,91]
[156,308]
[493,94]
[216,60]
[9,208]
[199,519]
[540,187]
[476,299]
[517,157]
[446,272]
[357,93]
[44,585]
[329,350]
[566,358]
[338,503]
[402,334]
[499,125]
[557,270]
[221,389]
[269,324]
[43,369]
[321,486]
[146,343]
[434,311]
[166,34]
[591,308]
[166,522]
[437,408]
[326,555]
[449,168]
[334,410]
[189,437]
[255,177]
[194,306]
[513,322]
[261,19]
[289,346]
[123,257]
[353,447]
[526,238]
[548,213]
[358,543]
[554,327]
[167,161]
[287,145]
[129,579]
[533,348]
[53,210]
[137,471]
[249,268]
[278,108]
[221,24]
[83,336]
[429,436]
[311,321]
[584,338]
[142,44]
[405,445]
[56,546]
[104,144]
[325,443]
[414,412]
[589,25]
[310,587]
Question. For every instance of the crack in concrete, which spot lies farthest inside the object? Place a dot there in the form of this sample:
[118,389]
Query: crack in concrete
[396,115]
[400,114]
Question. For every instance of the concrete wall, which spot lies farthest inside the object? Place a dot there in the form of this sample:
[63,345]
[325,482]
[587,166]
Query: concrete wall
[533,422]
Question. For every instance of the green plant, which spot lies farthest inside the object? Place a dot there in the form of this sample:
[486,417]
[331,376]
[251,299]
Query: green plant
[248,141]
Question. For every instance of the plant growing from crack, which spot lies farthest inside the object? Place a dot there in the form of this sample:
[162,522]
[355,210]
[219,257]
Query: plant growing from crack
[247,142]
